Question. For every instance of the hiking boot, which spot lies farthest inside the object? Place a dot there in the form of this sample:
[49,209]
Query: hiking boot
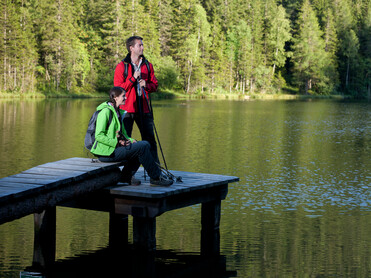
[131,181]
[134,181]
[163,180]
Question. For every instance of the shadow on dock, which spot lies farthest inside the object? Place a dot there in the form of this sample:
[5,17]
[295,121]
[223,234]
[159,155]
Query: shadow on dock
[129,262]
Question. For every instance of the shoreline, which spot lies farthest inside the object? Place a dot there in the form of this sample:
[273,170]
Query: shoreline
[176,95]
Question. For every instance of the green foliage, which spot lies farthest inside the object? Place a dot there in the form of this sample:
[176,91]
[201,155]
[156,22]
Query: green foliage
[243,46]
[311,62]
[167,74]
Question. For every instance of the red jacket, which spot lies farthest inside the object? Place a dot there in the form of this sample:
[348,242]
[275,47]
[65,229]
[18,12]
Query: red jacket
[130,84]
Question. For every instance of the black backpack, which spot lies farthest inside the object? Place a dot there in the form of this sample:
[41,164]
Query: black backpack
[90,133]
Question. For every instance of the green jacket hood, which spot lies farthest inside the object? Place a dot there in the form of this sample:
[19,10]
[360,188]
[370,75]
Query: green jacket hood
[104,105]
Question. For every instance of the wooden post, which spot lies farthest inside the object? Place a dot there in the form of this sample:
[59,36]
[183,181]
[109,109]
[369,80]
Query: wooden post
[44,238]
[143,264]
[210,235]
[118,229]
[144,233]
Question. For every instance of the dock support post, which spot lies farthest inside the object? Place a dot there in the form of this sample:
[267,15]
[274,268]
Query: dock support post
[118,229]
[144,233]
[210,221]
[44,238]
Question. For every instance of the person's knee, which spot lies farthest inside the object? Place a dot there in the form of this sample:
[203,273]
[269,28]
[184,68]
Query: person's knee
[146,144]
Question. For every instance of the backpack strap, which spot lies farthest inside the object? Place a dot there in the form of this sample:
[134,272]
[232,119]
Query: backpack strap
[110,118]
[126,69]
[148,68]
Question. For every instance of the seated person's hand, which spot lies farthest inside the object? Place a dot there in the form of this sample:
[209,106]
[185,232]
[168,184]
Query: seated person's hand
[124,142]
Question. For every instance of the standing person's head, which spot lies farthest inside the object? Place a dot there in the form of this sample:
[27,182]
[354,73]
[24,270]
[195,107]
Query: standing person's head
[134,45]
[117,96]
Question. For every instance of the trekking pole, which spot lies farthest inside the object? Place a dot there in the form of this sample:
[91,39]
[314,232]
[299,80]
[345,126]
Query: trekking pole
[154,127]
[139,96]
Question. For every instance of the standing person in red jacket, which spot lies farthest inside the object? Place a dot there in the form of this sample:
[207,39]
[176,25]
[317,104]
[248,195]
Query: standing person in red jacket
[130,72]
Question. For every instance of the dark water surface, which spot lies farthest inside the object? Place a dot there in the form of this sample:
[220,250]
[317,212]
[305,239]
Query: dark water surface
[301,208]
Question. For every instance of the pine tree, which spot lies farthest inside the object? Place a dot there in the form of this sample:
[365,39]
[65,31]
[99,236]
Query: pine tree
[240,45]
[114,33]
[258,74]
[62,54]
[27,49]
[17,48]
[165,25]
[309,56]
[8,20]
[149,29]
[277,34]
[216,64]
[348,41]
[366,49]
[184,38]
[331,47]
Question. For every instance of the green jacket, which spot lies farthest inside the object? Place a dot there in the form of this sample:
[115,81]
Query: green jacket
[106,136]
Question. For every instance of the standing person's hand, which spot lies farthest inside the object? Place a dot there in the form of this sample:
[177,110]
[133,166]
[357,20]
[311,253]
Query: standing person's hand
[142,83]
[136,74]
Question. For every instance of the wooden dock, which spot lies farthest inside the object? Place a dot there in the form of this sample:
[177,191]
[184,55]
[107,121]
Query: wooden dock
[80,183]
[51,184]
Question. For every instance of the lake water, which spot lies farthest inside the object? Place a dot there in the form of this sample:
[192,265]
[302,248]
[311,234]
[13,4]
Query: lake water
[300,209]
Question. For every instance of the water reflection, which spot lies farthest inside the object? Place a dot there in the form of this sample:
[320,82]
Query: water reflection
[301,208]
[128,262]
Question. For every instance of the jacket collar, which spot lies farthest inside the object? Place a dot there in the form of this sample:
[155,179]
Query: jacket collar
[127,59]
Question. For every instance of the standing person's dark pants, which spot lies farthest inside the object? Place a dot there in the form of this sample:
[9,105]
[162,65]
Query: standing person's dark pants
[134,155]
[146,131]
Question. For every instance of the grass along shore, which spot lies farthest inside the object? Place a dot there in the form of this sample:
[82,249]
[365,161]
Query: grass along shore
[178,95]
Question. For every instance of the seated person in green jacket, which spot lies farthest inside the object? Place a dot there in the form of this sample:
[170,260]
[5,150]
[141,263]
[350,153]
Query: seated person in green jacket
[113,145]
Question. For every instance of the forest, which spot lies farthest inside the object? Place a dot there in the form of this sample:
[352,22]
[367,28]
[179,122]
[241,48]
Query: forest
[317,47]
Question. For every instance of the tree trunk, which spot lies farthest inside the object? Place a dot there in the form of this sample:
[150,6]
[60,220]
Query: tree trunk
[117,49]
[59,49]
[5,50]
[307,87]
[243,85]
[274,65]
[189,76]
[347,75]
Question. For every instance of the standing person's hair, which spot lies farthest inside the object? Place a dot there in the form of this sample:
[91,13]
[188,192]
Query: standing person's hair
[131,42]
[115,92]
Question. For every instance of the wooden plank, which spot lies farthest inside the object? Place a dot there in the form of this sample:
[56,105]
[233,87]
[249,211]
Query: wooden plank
[55,172]
[42,176]
[153,207]
[63,166]
[68,167]
[83,162]
[91,169]
[4,192]
[29,181]
[11,191]
[16,208]
[11,184]
[147,191]
[90,161]
[191,182]
[46,175]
